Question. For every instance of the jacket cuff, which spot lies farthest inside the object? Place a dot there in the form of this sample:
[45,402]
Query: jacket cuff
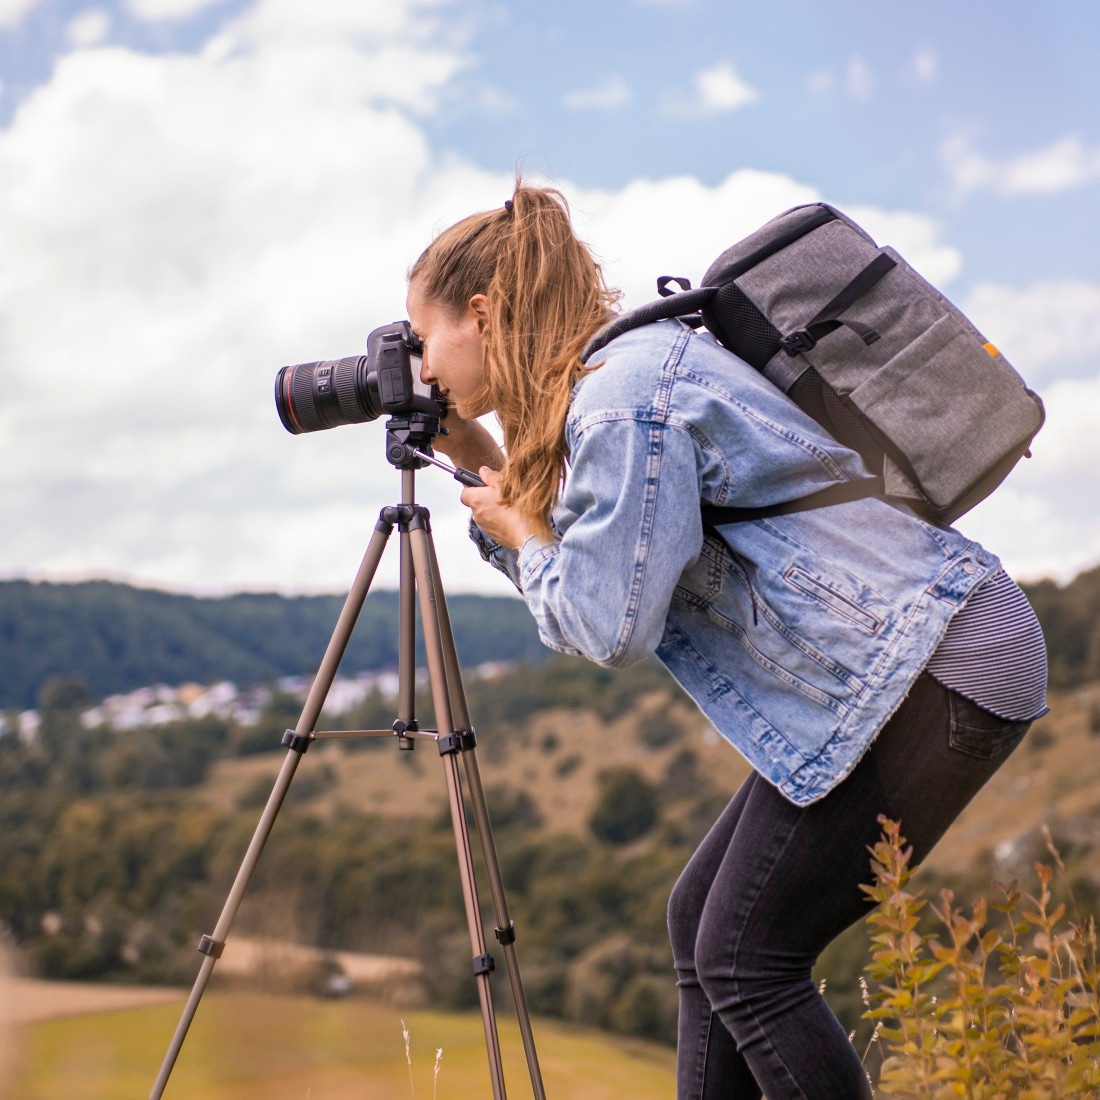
[499,557]
[534,556]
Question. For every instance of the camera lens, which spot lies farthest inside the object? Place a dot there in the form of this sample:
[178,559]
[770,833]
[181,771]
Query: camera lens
[310,397]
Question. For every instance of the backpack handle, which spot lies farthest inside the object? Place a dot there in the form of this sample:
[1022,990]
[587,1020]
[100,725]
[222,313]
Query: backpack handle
[663,281]
[829,318]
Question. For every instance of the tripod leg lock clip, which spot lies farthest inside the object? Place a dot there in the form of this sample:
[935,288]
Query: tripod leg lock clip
[297,741]
[483,964]
[459,741]
[210,946]
[506,935]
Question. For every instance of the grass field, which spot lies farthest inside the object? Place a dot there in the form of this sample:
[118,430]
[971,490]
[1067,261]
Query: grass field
[251,1045]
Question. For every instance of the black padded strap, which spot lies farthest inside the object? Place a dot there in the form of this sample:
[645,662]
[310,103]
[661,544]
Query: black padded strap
[675,305]
[840,493]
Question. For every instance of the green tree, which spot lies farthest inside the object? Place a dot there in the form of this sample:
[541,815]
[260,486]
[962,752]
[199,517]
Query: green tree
[627,806]
[73,753]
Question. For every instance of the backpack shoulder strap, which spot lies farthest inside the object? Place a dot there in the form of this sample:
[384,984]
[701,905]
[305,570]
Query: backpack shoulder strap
[686,305]
[675,305]
[840,493]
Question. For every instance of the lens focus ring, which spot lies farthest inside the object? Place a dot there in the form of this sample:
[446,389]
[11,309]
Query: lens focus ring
[349,390]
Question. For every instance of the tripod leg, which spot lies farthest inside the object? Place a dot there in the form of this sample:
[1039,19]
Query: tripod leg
[211,946]
[406,615]
[437,673]
[505,930]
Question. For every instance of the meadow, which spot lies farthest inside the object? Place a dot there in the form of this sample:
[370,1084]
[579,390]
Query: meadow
[245,1045]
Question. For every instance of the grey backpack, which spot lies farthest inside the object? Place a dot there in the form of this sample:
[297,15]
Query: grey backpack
[885,363]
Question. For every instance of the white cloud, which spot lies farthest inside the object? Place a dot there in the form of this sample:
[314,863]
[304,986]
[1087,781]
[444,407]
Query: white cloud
[177,227]
[12,11]
[688,224]
[915,236]
[89,28]
[1047,331]
[155,10]
[716,90]
[608,96]
[924,66]
[365,22]
[495,101]
[858,78]
[1063,165]
[1043,521]
[721,88]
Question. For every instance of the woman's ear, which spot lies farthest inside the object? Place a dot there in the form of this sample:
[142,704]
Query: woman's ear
[478,308]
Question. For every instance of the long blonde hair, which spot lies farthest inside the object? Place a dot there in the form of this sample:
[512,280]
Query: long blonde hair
[547,296]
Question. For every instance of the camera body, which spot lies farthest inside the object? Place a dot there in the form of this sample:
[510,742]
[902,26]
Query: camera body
[311,397]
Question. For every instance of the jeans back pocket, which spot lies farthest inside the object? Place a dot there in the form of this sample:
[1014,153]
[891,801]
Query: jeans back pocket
[978,732]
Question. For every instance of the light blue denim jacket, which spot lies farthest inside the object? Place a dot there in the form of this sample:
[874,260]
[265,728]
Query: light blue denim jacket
[800,638]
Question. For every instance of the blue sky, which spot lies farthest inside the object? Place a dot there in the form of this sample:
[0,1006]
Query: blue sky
[194,192]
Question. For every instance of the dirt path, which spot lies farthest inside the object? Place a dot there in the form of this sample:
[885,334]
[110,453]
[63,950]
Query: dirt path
[26,1001]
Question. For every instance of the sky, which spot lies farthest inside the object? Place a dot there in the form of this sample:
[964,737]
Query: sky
[194,193]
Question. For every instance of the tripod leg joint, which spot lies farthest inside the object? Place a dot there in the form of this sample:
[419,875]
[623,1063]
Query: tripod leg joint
[210,946]
[402,729]
[409,517]
[297,741]
[483,964]
[459,741]
[507,935]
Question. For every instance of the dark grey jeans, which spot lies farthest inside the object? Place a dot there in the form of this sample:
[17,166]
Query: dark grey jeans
[772,884]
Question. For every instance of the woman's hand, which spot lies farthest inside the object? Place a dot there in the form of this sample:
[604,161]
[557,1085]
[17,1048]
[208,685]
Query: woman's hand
[468,444]
[501,523]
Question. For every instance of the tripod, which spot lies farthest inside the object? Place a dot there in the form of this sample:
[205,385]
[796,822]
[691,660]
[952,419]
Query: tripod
[454,737]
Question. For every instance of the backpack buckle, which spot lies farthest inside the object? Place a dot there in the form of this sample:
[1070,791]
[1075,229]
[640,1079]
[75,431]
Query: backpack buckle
[797,342]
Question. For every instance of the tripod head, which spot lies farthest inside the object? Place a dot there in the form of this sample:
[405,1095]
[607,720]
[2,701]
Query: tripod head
[409,438]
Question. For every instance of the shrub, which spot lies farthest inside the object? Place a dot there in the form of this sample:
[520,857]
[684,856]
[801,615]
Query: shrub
[978,1010]
[627,807]
[1094,719]
[659,727]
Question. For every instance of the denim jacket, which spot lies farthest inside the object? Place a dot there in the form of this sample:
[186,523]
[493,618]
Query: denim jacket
[797,636]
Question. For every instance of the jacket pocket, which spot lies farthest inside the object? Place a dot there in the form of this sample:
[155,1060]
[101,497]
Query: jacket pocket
[975,731]
[833,599]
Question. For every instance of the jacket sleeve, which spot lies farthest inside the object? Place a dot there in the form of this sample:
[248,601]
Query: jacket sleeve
[629,524]
[499,557]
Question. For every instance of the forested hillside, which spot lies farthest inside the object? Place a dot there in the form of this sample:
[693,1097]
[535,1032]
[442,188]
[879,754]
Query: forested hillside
[1071,621]
[116,638]
[118,847]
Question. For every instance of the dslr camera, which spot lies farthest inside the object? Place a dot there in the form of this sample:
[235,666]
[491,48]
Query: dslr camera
[311,397]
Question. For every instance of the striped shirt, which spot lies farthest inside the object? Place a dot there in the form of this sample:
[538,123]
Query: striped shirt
[993,652]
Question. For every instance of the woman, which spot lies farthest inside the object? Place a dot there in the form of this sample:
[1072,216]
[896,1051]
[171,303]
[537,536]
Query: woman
[864,661]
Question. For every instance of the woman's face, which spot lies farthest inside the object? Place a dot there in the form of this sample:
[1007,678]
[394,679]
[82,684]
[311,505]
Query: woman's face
[454,347]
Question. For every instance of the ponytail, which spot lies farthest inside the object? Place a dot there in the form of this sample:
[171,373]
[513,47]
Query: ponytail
[547,297]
